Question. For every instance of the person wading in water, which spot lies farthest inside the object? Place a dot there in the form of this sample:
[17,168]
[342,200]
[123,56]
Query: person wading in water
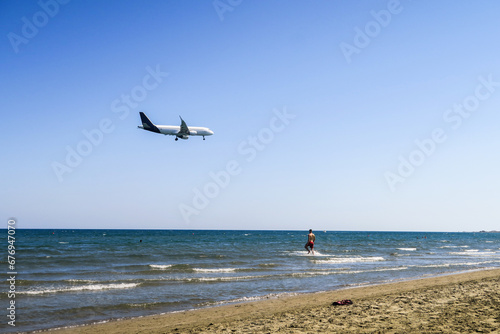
[310,242]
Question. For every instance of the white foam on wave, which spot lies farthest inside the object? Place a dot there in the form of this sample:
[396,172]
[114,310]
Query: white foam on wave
[314,273]
[253,298]
[304,253]
[160,266]
[373,270]
[444,265]
[351,259]
[473,252]
[389,269]
[219,279]
[80,281]
[454,247]
[217,270]
[91,287]
[485,253]
[407,249]
[344,271]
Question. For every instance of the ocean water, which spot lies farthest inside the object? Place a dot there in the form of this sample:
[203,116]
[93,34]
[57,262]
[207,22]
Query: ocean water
[74,277]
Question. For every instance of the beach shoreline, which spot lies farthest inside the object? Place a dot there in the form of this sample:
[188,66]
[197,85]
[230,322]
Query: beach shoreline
[450,303]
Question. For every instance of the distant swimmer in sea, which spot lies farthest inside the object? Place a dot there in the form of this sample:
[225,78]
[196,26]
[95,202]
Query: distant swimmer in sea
[311,238]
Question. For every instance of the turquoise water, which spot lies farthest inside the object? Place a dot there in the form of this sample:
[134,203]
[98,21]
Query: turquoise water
[71,277]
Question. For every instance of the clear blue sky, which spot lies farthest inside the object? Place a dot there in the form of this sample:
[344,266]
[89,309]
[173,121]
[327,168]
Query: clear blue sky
[357,84]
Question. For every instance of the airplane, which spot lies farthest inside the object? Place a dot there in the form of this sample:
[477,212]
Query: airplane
[182,131]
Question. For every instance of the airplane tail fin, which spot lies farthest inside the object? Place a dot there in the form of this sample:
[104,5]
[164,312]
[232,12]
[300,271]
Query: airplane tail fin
[147,124]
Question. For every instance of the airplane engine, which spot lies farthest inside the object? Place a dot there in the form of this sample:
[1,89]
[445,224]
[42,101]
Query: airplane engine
[183,137]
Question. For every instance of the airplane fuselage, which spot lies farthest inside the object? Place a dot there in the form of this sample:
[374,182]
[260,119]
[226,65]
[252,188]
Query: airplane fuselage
[182,131]
[173,130]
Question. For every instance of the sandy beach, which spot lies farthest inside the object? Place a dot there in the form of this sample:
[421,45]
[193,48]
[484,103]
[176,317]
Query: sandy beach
[460,303]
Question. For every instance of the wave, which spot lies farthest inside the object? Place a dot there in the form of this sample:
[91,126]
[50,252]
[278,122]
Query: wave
[376,270]
[260,277]
[407,249]
[223,279]
[219,270]
[348,272]
[351,259]
[147,305]
[108,285]
[80,281]
[176,267]
[473,252]
[456,264]
[92,287]
[160,266]
[187,268]
[249,299]
[444,265]
[304,253]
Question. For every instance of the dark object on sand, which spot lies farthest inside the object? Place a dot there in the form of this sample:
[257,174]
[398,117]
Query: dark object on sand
[343,302]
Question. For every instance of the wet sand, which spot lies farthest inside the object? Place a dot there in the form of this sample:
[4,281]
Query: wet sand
[460,303]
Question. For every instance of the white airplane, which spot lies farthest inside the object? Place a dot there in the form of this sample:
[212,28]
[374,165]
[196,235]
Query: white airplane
[182,131]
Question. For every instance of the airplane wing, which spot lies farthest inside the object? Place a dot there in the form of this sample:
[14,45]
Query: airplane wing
[184,129]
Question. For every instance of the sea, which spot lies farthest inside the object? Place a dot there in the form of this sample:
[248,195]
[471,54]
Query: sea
[68,278]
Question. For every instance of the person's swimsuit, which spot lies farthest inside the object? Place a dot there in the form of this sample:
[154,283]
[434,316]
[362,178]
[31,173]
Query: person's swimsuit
[310,244]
